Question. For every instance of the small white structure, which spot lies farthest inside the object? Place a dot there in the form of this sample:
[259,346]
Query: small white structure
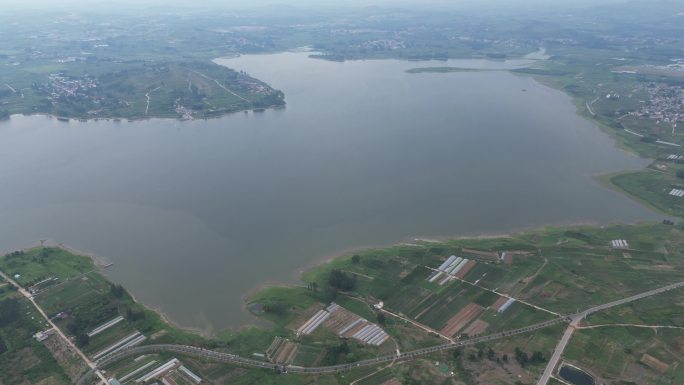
[41,336]
[136,371]
[309,326]
[159,371]
[677,192]
[619,244]
[105,326]
[506,305]
[132,339]
[448,269]
[190,374]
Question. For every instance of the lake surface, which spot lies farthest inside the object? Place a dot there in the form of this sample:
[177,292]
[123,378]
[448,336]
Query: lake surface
[575,376]
[194,214]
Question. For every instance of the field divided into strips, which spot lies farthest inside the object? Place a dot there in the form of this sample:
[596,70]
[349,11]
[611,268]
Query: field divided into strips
[505,278]
[517,315]
[88,289]
[109,337]
[308,355]
[282,351]
[600,273]
[464,316]
[387,275]
[440,307]
[618,353]
[345,324]
[86,298]
[128,369]
[434,305]
[407,298]
[376,377]
[628,350]
[664,309]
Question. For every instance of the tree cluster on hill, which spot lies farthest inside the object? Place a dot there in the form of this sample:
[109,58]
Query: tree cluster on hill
[117,291]
[340,280]
[524,359]
[78,329]
[134,315]
[276,307]
[336,354]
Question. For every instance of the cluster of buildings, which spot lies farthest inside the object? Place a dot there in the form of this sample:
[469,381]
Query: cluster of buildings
[252,85]
[666,103]
[383,45]
[62,86]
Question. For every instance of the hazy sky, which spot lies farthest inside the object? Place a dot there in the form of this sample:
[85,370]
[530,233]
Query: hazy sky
[94,4]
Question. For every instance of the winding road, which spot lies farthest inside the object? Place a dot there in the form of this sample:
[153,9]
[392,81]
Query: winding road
[238,360]
[573,319]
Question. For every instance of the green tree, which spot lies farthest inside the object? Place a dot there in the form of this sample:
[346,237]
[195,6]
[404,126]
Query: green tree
[117,291]
[490,354]
[277,308]
[356,259]
[82,339]
[381,319]
[340,280]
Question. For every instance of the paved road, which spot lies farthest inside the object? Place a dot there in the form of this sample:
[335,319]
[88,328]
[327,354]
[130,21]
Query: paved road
[574,320]
[558,352]
[578,317]
[25,293]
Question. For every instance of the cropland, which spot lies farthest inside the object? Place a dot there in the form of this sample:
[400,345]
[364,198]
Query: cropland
[467,311]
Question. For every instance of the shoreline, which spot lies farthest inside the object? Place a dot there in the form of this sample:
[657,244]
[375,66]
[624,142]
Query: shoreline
[65,119]
[295,277]
[101,263]
[604,180]
[416,240]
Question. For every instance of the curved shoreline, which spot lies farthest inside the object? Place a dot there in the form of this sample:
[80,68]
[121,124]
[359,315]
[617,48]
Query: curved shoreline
[101,263]
[294,277]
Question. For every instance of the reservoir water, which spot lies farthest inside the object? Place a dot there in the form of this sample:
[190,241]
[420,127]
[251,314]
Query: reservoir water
[194,214]
[575,376]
